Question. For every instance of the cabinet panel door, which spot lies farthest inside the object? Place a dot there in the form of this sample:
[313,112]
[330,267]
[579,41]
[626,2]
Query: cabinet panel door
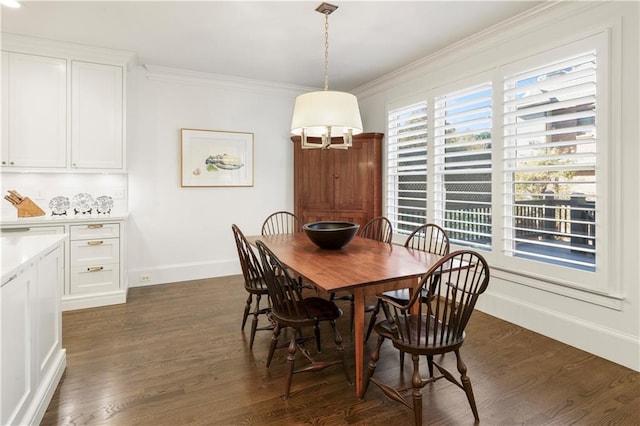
[96,116]
[36,134]
[4,109]
[15,356]
[352,184]
[47,309]
[314,177]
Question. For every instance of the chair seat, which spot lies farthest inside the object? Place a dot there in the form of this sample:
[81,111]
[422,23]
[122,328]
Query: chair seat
[401,296]
[322,309]
[257,286]
[319,309]
[414,326]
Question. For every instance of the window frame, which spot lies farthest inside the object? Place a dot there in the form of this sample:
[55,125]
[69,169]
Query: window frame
[600,286]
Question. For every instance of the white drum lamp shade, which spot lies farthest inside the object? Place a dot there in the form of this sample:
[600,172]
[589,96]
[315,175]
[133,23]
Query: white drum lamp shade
[322,112]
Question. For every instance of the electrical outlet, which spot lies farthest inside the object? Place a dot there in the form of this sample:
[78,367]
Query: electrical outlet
[145,277]
[118,194]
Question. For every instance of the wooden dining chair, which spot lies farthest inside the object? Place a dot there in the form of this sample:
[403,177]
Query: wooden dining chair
[281,222]
[254,284]
[453,284]
[379,229]
[290,309]
[284,222]
[430,238]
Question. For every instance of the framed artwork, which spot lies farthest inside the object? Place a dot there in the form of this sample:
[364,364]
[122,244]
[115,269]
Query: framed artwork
[216,158]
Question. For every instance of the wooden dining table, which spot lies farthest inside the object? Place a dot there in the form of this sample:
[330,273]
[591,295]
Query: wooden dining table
[363,268]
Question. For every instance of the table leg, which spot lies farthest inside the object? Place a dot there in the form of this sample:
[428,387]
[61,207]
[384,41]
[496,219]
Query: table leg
[358,335]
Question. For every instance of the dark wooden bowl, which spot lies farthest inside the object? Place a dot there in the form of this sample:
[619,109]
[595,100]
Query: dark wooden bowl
[330,235]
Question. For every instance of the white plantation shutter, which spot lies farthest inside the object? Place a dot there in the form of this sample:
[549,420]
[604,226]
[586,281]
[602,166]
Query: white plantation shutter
[407,167]
[462,161]
[550,162]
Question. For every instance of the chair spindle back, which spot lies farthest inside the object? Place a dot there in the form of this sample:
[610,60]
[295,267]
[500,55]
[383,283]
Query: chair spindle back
[455,282]
[379,228]
[430,238]
[281,222]
[251,267]
[284,291]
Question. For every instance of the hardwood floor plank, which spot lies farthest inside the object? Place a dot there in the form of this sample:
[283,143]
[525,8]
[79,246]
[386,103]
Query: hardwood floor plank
[174,354]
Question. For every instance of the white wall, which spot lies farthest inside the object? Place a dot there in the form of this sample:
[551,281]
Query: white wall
[176,233]
[613,333]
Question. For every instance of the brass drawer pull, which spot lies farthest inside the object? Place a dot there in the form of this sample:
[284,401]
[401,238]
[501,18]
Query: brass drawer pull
[95,226]
[95,243]
[95,268]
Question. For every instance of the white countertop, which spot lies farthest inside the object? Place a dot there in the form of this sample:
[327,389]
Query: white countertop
[55,220]
[17,251]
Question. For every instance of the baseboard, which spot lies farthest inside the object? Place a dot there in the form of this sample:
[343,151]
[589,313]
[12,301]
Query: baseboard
[594,338]
[183,272]
[70,303]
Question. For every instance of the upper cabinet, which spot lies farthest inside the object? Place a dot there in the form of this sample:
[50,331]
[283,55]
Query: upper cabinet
[97,137]
[34,118]
[63,106]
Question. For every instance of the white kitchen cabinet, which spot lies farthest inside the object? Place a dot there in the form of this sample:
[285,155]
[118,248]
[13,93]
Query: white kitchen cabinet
[93,255]
[63,106]
[34,119]
[96,116]
[32,358]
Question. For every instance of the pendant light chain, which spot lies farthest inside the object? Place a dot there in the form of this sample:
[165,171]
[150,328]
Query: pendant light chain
[326,50]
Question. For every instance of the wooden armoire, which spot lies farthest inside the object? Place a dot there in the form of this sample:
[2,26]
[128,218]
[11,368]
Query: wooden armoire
[336,184]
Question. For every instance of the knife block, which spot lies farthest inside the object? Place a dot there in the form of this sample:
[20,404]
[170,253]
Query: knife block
[27,208]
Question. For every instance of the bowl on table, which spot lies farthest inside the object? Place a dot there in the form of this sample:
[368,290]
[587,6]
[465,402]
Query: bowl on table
[330,235]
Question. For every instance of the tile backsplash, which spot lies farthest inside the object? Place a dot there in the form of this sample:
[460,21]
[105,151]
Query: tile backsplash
[42,187]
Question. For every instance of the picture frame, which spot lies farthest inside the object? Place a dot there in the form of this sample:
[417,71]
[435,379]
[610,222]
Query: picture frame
[216,158]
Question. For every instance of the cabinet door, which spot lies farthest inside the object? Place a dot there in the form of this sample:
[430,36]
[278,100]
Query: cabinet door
[314,178]
[36,96]
[15,355]
[46,318]
[4,109]
[96,116]
[352,181]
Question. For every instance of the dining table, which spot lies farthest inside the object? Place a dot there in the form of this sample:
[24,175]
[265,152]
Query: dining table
[363,267]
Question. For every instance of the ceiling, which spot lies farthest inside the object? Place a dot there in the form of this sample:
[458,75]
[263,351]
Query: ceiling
[275,41]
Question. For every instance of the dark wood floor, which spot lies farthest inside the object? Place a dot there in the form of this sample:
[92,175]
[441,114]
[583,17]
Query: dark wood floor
[174,354]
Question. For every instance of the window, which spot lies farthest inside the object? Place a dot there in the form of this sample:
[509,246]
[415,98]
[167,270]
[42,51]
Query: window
[514,161]
[407,167]
[462,158]
[550,162]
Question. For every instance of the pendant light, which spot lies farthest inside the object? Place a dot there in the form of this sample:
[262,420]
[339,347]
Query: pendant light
[326,114]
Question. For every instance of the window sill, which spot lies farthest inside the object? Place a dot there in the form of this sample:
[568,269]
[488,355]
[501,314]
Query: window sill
[543,283]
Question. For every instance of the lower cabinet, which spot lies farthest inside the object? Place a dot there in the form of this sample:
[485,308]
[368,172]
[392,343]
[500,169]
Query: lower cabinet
[32,358]
[94,258]
[93,253]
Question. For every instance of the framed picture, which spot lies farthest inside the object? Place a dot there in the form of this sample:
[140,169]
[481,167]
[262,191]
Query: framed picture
[216,158]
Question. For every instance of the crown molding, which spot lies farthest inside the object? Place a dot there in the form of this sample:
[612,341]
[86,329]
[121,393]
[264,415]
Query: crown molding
[73,51]
[485,39]
[178,75]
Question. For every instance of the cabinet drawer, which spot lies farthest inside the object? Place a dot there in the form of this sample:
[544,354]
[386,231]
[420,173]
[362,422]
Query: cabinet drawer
[96,279]
[95,252]
[94,231]
[19,231]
